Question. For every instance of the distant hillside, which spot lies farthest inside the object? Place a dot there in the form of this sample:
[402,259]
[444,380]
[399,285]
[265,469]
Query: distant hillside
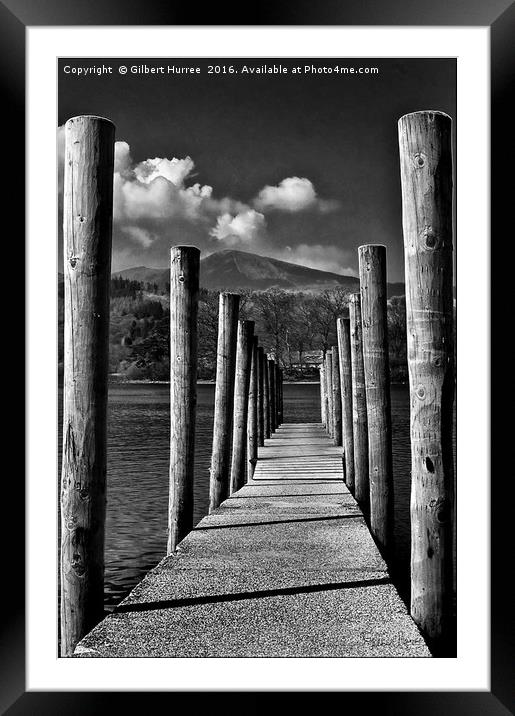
[161,276]
[231,270]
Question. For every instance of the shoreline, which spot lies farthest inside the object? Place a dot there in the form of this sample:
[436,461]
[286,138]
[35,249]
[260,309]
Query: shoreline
[143,381]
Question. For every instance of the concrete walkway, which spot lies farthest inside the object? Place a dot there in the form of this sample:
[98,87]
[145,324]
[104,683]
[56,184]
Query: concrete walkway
[286,567]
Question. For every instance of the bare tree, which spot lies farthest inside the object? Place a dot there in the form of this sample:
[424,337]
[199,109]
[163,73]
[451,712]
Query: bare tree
[330,305]
[274,309]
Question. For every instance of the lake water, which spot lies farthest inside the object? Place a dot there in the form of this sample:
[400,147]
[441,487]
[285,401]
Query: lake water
[137,470]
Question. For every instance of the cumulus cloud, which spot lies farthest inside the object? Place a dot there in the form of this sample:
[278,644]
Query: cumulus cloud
[292,194]
[245,227]
[122,157]
[157,204]
[174,170]
[155,189]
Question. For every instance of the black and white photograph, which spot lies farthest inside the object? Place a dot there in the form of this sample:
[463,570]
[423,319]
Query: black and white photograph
[257,325]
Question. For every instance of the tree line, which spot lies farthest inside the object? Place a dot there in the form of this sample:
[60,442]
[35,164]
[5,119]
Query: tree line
[297,328]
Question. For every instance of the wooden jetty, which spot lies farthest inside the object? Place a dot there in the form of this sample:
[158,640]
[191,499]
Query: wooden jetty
[285,564]
[286,567]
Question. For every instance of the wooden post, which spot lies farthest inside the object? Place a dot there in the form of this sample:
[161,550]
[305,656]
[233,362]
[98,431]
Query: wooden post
[329,383]
[343,330]
[87,223]
[372,272]
[337,398]
[281,395]
[184,293]
[272,395]
[426,179]
[322,394]
[261,397]
[266,396]
[278,395]
[326,395]
[359,407]
[241,404]
[224,399]
[252,426]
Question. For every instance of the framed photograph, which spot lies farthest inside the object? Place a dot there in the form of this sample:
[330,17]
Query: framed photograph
[273,147]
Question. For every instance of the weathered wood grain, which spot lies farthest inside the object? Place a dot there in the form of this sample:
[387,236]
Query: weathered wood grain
[241,404]
[252,421]
[278,395]
[87,225]
[184,295]
[261,397]
[344,350]
[266,396]
[372,273]
[272,395]
[359,407]
[329,387]
[224,399]
[337,398]
[323,400]
[426,181]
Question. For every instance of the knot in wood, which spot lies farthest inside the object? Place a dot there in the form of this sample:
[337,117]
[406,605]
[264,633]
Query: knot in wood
[442,511]
[429,237]
[78,564]
[419,160]
[420,392]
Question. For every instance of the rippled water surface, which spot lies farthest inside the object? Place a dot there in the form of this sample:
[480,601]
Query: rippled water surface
[138,452]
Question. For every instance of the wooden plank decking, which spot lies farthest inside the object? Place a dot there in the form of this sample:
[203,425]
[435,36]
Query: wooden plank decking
[285,567]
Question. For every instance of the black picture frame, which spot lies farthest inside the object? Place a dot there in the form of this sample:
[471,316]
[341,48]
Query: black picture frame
[499,15]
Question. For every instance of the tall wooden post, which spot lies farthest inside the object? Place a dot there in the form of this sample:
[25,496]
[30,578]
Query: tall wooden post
[282,396]
[261,397]
[224,399]
[322,394]
[184,293]
[241,404]
[372,273]
[359,407]
[343,330]
[252,425]
[278,395]
[88,210]
[326,395]
[272,394]
[329,379]
[426,180]
[266,396]
[337,398]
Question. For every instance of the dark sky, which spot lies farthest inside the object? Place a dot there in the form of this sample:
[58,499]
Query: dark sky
[303,167]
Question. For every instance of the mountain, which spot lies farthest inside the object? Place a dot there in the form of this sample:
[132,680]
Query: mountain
[231,270]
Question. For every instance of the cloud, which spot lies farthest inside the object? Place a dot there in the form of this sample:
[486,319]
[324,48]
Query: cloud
[122,157]
[323,257]
[245,227]
[140,236]
[156,204]
[292,194]
[155,189]
[174,170]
